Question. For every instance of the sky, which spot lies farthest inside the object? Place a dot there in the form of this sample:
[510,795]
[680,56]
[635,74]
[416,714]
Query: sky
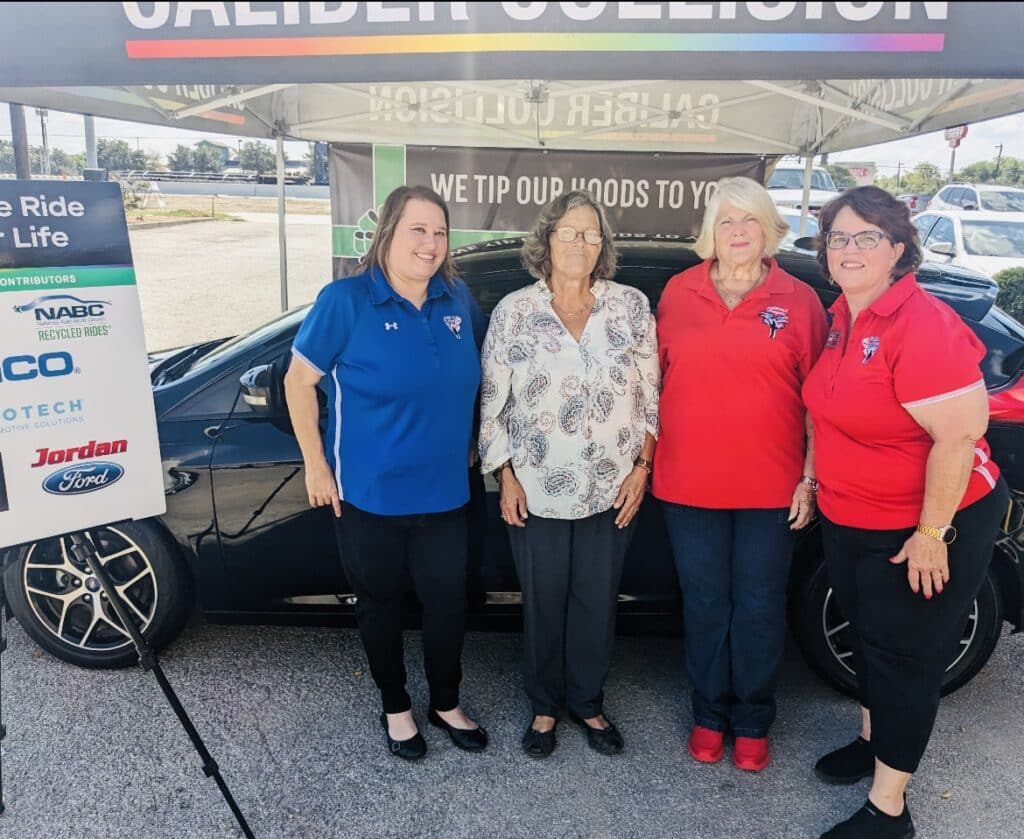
[66,131]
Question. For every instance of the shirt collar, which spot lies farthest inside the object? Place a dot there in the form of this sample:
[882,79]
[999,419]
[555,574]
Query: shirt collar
[777,282]
[381,290]
[598,288]
[885,306]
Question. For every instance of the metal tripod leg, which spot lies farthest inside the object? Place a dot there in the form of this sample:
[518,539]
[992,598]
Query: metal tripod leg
[3,728]
[83,548]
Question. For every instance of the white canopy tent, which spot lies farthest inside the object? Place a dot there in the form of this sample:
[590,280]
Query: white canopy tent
[749,78]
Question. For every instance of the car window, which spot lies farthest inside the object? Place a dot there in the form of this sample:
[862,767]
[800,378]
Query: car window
[924,223]
[242,344]
[953,196]
[786,179]
[994,238]
[1003,202]
[942,232]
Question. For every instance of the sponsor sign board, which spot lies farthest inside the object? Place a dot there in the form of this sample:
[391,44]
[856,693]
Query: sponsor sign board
[78,441]
[497,193]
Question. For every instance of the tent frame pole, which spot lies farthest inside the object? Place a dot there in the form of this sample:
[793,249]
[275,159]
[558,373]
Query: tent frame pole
[282,237]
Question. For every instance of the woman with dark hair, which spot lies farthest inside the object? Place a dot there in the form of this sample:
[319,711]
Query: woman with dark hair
[909,499]
[569,414]
[397,344]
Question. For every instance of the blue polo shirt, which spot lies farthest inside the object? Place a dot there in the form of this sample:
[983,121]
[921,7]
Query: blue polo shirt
[401,385]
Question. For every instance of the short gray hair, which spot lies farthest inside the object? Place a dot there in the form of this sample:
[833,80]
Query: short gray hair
[536,253]
[747,195]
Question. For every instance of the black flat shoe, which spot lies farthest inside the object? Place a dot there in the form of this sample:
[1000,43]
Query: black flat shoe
[848,764]
[871,823]
[538,743]
[412,749]
[607,741]
[467,739]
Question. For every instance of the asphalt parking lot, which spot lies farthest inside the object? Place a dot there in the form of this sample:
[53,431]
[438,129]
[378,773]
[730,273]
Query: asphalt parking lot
[291,715]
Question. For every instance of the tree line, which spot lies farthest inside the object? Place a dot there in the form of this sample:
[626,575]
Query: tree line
[118,156]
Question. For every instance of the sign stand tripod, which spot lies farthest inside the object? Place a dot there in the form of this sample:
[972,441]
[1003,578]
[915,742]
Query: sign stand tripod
[3,646]
[82,546]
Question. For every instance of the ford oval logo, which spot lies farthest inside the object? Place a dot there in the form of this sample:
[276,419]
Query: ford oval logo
[77,480]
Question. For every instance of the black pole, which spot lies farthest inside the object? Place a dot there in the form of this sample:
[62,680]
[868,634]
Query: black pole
[19,139]
[3,646]
[83,547]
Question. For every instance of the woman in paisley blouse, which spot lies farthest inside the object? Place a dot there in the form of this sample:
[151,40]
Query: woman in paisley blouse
[735,468]
[569,416]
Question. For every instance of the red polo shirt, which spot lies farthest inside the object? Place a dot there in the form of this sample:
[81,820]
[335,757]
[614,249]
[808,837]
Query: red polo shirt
[907,349]
[732,423]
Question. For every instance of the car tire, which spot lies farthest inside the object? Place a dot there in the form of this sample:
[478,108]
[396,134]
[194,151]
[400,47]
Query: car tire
[821,634]
[52,596]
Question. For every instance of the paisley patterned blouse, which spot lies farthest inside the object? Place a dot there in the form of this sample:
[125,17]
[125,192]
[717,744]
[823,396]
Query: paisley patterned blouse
[571,416]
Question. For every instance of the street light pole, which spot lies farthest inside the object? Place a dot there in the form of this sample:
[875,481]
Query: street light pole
[45,162]
[999,157]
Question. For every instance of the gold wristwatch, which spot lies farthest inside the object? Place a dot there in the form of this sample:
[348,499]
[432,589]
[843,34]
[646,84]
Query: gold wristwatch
[946,535]
[644,463]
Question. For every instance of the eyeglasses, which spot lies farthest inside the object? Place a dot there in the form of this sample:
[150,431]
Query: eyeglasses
[570,234]
[866,240]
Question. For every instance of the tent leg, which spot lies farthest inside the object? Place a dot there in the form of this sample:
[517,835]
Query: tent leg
[282,243]
[805,198]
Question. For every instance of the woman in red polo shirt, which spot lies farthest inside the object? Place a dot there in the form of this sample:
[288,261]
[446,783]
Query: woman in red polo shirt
[737,335]
[910,500]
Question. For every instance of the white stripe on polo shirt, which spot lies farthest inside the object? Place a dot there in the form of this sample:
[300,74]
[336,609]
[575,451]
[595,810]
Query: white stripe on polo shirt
[942,397]
[337,432]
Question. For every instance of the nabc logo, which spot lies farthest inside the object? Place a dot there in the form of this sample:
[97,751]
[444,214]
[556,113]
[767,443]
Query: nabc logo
[46,308]
[78,480]
[19,368]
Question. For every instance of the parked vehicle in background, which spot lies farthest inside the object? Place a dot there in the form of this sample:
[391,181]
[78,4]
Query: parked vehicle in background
[240,539]
[991,197]
[986,242]
[791,216]
[786,187]
[916,202]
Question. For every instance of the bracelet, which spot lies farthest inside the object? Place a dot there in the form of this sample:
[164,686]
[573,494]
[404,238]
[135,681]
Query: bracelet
[497,472]
[811,482]
[644,463]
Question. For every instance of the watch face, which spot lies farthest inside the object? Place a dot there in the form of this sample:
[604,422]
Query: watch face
[948,534]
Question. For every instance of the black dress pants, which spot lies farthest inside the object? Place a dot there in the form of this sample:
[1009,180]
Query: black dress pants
[379,555]
[569,571]
[902,643]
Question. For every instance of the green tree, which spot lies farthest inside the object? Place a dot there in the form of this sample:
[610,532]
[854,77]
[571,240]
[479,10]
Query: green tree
[841,176]
[923,179]
[257,157]
[206,159]
[182,159]
[6,156]
[62,163]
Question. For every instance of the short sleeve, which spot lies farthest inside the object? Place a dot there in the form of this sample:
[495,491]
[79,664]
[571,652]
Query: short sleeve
[937,358]
[325,331]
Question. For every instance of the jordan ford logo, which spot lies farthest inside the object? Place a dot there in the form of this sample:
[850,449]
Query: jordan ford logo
[870,346]
[775,318]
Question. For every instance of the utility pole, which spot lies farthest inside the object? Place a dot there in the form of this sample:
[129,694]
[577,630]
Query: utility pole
[90,142]
[19,139]
[999,157]
[899,170]
[952,163]
[44,163]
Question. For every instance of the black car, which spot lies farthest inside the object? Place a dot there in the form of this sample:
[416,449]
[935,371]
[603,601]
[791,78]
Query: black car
[240,540]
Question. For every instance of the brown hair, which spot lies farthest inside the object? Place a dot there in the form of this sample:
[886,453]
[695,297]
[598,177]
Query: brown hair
[390,213]
[536,253]
[878,207]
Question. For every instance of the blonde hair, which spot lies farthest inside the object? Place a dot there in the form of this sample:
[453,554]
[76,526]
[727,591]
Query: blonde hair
[747,195]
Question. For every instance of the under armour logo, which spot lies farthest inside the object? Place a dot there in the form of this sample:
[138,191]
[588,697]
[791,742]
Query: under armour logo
[389,325]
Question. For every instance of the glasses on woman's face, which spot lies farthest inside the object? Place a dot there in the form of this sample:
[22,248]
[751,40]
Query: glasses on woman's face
[570,234]
[866,240]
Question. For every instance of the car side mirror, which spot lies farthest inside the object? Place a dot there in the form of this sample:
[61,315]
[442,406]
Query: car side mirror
[806,243]
[943,248]
[969,206]
[262,388]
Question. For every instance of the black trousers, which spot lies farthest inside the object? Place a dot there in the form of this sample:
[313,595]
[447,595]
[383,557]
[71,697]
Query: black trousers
[380,554]
[569,571]
[903,642]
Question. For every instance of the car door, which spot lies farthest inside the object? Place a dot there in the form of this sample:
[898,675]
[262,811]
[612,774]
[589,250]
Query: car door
[941,233]
[924,223]
[281,553]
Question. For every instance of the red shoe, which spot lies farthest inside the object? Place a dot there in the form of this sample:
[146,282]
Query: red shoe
[706,745]
[751,753]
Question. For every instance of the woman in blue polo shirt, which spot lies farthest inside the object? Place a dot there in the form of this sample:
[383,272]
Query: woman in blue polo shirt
[398,347]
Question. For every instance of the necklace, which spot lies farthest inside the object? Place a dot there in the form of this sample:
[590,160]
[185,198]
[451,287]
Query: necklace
[560,310]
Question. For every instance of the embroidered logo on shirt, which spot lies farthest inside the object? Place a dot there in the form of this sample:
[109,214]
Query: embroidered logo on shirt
[833,339]
[454,324]
[775,318]
[870,346]
[390,324]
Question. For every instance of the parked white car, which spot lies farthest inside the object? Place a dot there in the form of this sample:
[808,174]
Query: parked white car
[786,186]
[984,241]
[792,218]
[992,197]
